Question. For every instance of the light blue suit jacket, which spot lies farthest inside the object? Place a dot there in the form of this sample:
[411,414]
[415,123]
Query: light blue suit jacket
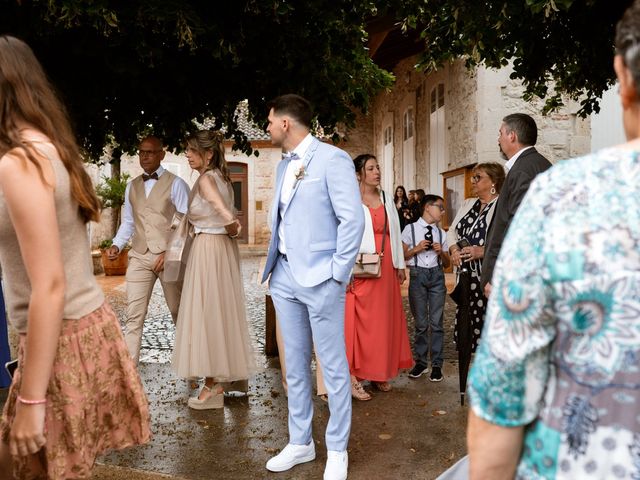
[323,222]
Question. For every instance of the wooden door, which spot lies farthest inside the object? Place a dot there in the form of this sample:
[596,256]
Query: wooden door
[238,173]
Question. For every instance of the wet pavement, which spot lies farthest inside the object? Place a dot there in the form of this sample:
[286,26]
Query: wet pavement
[415,431]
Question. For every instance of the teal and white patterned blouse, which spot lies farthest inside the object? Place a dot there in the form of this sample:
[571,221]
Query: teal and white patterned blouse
[560,349]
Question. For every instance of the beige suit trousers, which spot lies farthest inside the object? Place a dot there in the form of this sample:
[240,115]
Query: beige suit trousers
[140,281]
[320,388]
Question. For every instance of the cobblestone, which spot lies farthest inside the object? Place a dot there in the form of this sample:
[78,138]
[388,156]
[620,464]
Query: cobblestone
[159,331]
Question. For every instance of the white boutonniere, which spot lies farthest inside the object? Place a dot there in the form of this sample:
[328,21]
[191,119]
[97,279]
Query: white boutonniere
[300,173]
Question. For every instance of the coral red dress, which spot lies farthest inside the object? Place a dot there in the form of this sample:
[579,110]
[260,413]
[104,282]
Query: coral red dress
[375,324]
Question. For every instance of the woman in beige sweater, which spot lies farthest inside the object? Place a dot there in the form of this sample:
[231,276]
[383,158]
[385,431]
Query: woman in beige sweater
[76,392]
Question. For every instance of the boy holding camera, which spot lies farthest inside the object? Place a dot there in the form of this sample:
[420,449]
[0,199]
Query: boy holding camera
[425,252]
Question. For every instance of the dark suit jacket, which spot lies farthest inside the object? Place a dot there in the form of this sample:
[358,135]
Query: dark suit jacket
[529,164]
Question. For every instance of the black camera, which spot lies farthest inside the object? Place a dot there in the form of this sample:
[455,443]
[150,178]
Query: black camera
[428,236]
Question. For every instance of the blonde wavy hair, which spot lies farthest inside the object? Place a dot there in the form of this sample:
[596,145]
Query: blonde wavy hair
[211,140]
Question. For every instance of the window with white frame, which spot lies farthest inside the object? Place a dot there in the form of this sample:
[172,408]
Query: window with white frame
[408,150]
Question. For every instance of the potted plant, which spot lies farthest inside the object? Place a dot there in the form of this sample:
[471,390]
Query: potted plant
[111,192]
[117,266]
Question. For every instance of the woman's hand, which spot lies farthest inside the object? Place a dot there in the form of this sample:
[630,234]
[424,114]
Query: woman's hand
[27,430]
[233,229]
[473,252]
[456,257]
[402,276]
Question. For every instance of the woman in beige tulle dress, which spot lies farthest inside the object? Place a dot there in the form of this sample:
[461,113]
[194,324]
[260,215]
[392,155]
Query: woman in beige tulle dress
[212,338]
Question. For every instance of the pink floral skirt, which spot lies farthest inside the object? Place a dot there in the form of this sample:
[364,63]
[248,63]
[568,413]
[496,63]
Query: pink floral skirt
[95,400]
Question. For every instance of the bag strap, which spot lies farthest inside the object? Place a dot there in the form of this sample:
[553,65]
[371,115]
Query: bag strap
[384,232]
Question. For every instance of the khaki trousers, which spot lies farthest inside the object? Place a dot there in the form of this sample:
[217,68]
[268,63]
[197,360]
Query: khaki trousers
[320,388]
[140,281]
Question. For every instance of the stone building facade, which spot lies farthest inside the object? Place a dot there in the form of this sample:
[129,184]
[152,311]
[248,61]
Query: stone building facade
[430,124]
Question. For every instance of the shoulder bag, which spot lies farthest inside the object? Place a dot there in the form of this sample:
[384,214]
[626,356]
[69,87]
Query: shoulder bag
[369,265]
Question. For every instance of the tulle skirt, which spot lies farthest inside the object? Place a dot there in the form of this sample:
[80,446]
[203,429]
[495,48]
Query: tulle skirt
[212,336]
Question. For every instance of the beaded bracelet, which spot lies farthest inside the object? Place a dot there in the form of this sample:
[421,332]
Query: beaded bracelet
[31,402]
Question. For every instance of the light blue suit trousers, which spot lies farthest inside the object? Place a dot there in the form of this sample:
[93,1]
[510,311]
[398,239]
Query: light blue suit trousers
[313,316]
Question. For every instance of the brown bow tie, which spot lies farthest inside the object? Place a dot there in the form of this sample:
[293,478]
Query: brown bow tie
[153,176]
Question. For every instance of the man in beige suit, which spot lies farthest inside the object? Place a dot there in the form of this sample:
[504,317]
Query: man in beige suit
[151,200]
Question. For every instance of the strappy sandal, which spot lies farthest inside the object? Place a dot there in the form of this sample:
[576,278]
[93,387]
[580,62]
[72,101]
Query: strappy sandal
[382,386]
[215,400]
[358,392]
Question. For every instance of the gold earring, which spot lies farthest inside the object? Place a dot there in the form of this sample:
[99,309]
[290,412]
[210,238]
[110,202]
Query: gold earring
[493,189]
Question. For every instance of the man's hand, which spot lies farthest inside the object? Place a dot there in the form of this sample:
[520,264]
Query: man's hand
[159,265]
[437,247]
[113,252]
[402,276]
[487,290]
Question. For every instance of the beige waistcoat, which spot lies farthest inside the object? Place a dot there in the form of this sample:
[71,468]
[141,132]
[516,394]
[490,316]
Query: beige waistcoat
[152,216]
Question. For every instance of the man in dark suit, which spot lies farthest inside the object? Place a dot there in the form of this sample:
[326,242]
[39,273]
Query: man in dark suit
[518,135]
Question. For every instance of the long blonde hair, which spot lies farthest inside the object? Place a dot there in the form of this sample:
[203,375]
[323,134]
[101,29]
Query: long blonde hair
[27,97]
[211,140]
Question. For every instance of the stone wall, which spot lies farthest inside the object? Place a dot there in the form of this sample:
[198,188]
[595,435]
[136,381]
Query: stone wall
[475,103]
[561,134]
[359,140]
[263,174]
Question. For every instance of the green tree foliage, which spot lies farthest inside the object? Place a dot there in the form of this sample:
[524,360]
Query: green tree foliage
[568,42]
[127,66]
[124,67]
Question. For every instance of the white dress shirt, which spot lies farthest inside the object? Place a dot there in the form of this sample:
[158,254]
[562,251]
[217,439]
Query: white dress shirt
[288,183]
[512,161]
[179,198]
[425,258]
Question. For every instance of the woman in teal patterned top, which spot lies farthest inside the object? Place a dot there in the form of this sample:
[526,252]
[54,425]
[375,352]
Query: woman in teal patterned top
[555,387]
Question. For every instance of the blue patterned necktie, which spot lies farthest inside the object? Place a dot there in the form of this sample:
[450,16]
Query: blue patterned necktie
[290,156]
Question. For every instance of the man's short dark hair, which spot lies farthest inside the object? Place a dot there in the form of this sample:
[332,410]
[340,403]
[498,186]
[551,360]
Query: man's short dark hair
[524,126]
[430,199]
[294,105]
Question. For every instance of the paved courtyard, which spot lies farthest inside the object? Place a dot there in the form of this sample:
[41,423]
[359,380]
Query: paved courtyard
[414,432]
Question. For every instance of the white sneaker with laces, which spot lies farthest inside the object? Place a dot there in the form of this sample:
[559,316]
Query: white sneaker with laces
[292,455]
[337,465]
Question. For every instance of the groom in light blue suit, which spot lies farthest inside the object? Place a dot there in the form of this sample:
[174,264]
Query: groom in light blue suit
[316,229]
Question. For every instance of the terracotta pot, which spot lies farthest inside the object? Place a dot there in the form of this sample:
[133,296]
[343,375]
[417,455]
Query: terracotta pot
[117,266]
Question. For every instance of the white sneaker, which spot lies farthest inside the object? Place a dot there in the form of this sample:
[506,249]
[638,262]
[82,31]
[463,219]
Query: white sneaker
[337,465]
[292,455]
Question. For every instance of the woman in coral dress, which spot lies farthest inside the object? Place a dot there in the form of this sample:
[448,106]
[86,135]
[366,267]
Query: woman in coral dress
[375,324]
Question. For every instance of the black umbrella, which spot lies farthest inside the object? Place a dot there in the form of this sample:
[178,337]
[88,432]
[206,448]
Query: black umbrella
[462,296]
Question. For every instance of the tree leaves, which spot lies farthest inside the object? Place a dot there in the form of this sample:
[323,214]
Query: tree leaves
[126,67]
